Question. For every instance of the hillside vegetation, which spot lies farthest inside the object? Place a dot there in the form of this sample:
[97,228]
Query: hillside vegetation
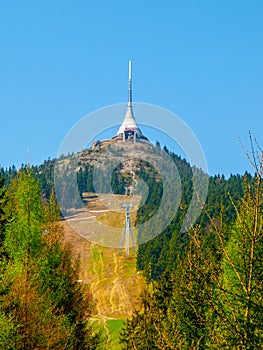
[194,289]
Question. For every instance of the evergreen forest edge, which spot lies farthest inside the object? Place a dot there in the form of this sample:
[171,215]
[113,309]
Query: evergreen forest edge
[204,287]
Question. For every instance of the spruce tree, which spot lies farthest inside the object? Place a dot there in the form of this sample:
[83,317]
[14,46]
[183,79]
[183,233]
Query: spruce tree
[42,305]
[238,298]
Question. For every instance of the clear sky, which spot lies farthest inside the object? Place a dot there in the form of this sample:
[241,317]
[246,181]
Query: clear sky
[61,60]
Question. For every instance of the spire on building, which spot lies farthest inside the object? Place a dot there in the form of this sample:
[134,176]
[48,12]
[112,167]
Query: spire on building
[130,84]
[129,129]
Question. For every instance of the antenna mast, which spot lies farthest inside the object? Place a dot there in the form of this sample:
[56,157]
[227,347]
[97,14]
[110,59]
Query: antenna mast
[130,84]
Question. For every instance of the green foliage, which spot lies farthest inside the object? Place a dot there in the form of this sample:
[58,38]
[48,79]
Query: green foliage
[213,297]
[8,174]
[44,173]
[7,332]
[238,301]
[42,305]
[85,178]
[204,288]
[161,253]
[152,327]
[24,229]
[118,182]
[3,214]
[36,325]
[114,328]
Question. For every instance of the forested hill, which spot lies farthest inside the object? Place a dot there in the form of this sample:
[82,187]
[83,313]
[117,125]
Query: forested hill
[159,254]
[205,285]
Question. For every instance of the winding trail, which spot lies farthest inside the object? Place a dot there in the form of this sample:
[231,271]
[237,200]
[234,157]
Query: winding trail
[113,279]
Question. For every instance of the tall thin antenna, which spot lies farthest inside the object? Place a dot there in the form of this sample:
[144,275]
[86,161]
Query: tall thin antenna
[130,84]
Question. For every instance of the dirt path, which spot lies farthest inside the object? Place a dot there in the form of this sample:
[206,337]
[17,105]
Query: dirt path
[112,278]
[118,294]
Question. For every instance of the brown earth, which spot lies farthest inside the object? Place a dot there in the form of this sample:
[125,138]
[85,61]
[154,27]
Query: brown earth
[112,276]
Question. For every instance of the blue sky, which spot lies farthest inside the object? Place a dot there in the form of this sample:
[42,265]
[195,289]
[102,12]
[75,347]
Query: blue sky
[61,60]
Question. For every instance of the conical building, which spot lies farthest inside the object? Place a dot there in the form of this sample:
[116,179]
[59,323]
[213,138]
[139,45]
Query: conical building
[129,129]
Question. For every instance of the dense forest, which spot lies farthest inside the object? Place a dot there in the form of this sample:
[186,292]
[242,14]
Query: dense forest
[42,304]
[204,286]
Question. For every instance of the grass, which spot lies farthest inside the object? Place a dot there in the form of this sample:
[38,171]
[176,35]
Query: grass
[116,219]
[98,262]
[114,327]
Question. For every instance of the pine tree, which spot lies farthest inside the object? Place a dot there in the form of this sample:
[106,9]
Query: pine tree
[3,215]
[151,327]
[238,298]
[7,332]
[216,291]
[42,305]
[24,230]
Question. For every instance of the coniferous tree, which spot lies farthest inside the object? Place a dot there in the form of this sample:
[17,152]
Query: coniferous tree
[24,229]
[41,302]
[216,298]
[3,215]
[151,326]
[238,297]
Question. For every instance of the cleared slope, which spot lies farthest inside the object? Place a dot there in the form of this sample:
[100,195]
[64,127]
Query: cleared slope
[114,281]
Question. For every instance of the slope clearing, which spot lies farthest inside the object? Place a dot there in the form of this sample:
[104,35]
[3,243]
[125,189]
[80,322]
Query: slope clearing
[114,281]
